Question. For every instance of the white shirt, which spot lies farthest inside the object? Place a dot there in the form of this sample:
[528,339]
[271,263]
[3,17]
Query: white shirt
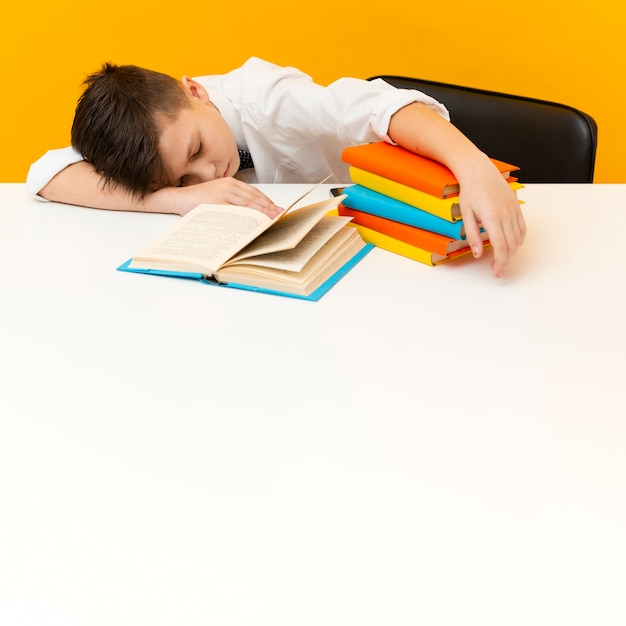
[294,128]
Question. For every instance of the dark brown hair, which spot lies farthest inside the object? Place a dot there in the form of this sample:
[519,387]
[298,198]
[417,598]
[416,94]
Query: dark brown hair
[116,124]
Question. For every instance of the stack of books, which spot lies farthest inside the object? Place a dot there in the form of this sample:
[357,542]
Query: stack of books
[408,204]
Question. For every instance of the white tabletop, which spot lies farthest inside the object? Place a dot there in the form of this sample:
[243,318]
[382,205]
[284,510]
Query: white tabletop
[421,446]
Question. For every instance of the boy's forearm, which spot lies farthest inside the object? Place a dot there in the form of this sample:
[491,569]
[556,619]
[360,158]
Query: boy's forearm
[421,130]
[81,185]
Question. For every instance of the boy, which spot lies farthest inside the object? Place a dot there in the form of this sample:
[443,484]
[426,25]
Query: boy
[143,141]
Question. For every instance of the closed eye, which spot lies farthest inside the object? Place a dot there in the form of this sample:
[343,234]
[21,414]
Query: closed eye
[196,154]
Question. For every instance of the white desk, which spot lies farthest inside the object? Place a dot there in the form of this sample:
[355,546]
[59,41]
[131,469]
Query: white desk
[424,446]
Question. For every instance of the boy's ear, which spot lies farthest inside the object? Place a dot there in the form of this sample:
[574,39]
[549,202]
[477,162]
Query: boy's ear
[194,89]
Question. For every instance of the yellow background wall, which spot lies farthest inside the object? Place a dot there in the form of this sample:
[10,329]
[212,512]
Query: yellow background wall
[571,53]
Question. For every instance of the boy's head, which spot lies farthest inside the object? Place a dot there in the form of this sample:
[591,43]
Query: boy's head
[144,130]
[116,124]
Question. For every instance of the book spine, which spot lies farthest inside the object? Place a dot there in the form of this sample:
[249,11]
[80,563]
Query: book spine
[369,201]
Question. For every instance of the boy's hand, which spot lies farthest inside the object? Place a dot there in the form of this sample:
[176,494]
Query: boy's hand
[219,191]
[486,199]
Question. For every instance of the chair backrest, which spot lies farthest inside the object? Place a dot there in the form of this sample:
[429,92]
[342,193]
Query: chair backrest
[549,142]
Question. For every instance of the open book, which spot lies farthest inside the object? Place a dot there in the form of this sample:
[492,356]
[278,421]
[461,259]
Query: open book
[301,253]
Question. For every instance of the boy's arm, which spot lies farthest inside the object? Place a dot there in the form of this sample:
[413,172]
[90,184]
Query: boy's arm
[486,199]
[80,184]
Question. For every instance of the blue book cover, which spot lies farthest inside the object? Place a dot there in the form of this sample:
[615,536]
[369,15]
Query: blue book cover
[314,296]
[369,201]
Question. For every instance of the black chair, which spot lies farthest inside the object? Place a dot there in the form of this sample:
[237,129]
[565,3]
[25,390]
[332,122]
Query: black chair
[549,142]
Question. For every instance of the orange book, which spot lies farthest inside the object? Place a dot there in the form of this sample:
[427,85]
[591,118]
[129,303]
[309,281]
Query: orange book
[408,168]
[432,242]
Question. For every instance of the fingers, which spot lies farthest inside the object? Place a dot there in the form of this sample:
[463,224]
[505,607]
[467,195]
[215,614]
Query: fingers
[505,226]
[500,259]
[224,191]
[251,197]
[508,235]
[472,234]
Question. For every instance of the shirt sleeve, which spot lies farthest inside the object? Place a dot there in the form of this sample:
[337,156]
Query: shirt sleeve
[389,99]
[43,170]
[353,110]
[365,108]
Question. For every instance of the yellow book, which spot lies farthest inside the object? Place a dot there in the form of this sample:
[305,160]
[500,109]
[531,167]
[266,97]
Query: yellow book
[446,208]
[406,249]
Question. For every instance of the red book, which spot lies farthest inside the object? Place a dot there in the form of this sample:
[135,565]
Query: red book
[408,168]
[432,242]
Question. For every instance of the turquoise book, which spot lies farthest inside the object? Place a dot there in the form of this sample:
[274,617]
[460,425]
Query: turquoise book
[370,201]
[313,295]
[301,254]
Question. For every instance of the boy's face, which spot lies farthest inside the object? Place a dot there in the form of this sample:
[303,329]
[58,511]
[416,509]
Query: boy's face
[198,145]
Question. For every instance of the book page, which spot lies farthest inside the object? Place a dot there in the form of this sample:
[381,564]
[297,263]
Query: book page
[289,230]
[307,192]
[207,236]
[295,259]
[331,256]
